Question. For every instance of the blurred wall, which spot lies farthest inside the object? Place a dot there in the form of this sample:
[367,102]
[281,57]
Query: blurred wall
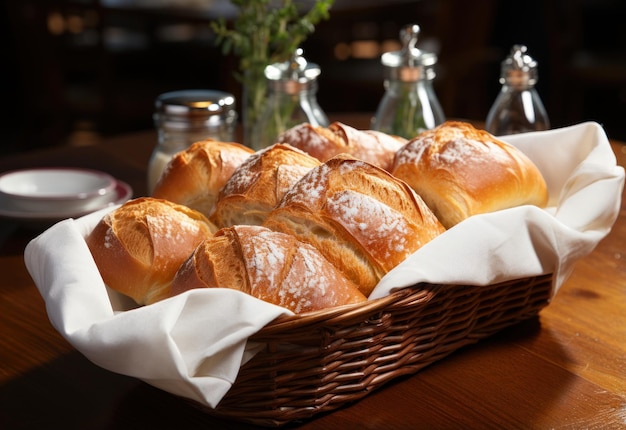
[96,67]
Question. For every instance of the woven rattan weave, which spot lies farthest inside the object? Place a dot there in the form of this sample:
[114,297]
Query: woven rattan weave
[320,361]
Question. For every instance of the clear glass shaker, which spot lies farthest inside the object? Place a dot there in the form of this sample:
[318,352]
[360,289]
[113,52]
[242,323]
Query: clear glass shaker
[187,116]
[292,90]
[518,107]
[410,104]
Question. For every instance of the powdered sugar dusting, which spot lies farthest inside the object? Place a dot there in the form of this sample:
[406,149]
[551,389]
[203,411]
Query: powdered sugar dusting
[109,235]
[303,137]
[372,146]
[242,177]
[233,157]
[310,188]
[306,280]
[309,280]
[374,224]
[458,149]
[353,165]
[461,150]
[290,271]
[287,176]
[172,228]
[266,256]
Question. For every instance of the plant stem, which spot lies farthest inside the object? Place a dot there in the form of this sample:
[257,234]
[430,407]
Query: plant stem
[264,33]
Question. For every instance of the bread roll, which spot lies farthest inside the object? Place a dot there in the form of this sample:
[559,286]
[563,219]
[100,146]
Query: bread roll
[194,177]
[460,171]
[323,143]
[361,218]
[259,183]
[139,246]
[268,265]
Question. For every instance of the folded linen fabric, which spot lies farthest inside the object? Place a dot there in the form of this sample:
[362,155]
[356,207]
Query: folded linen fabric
[194,344]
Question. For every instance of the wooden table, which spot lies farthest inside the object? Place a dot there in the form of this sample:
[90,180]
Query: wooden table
[564,370]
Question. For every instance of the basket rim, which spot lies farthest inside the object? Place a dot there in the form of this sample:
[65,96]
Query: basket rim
[283,322]
[320,361]
[348,312]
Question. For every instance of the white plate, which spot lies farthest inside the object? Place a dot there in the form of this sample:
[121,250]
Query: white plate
[56,189]
[121,193]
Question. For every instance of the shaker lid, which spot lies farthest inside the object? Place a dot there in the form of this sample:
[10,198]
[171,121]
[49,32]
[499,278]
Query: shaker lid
[293,75]
[410,63]
[519,68]
[194,103]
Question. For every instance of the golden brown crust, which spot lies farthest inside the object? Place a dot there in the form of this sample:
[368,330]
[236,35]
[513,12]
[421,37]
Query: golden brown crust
[139,246]
[268,265]
[259,183]
[194,177]
[461,171]
[324,143]
[360,217]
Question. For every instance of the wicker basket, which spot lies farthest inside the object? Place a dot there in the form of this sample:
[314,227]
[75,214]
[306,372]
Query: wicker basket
[320,361]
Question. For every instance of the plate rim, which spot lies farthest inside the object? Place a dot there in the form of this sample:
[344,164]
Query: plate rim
[123,192]
[111,183]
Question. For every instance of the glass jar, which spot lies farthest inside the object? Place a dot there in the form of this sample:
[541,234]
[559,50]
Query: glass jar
[410,104]
[187,116]
[292,100]
[518,107]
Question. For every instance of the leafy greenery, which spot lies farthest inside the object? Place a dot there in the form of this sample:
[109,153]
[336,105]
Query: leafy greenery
[284,112]
[265,32]
[408,120]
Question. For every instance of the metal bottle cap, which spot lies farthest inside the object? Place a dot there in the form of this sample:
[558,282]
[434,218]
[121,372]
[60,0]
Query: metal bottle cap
[519,68]
[294,75]
[194,108]
[410,64]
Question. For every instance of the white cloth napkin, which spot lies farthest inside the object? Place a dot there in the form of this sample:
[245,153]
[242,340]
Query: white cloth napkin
[194,344]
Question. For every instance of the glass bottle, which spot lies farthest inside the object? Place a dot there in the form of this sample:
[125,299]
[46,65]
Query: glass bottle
[518,107]
[187,116]
[292,90]
[410,104]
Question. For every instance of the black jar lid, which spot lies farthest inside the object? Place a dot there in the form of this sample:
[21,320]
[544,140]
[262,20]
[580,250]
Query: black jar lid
[192,109]
[194,103]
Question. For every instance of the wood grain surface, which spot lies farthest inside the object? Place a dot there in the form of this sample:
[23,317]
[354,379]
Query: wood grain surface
[565,369]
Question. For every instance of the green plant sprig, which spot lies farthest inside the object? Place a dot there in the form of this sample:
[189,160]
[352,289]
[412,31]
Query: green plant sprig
[265,32]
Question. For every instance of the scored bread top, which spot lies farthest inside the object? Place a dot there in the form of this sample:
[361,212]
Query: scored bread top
[195,176]
[268,265]
[139,246]
[324,143]
[360,217]
[461,171]
[259,183]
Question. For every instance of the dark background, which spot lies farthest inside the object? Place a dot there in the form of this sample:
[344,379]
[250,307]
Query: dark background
[74,71]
